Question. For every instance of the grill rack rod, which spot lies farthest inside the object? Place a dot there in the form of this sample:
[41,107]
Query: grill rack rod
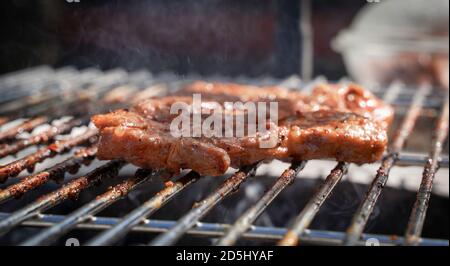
[48,89]
[99,85]
[57,147]
[417,218]
[42,83]
[245,221]
[146,209]
[366,207]
[25,126]
[303,220]
[56,82]
[15,76]
[69,190]
[45,136]
[315,237]
[55,172]
[91,87]
[201,208]
[419,160]
[86,212]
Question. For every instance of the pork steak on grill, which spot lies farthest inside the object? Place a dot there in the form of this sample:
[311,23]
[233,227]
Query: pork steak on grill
[344,123]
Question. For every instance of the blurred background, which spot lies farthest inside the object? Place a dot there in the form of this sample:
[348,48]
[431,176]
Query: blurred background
[225,37]
[98,55]
[249,37]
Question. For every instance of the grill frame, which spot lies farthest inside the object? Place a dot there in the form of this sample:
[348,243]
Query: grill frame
[82,87]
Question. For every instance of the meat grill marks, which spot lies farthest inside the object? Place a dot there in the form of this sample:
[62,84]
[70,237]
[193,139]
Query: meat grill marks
[322,125]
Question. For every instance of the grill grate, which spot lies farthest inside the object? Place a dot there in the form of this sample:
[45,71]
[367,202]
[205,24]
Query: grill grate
[78,94]
[366,208]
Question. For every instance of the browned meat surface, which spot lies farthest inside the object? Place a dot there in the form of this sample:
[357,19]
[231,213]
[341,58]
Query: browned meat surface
[147,143]
[329,124]
[350,98]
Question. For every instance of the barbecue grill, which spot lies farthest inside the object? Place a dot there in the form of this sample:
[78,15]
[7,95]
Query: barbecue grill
[44,114]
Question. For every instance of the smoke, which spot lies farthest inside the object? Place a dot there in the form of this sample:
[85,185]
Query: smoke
[193,36]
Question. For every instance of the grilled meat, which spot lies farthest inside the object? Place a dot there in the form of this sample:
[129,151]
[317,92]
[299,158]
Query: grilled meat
[350,98]
[347,98]
[327,124]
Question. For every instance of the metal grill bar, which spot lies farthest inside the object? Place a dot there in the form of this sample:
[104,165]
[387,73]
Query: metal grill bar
[138,215]
[393,91]
[304,219]
[25,126]
[94,83]
[46,88]
[40,138]
[202,208]
[247,219]
[314,237]
[419,160]
[410,120]
[58,147]
[98,204]
[70,190]
[365,209]
[56,172]
[417,218]
[22,74]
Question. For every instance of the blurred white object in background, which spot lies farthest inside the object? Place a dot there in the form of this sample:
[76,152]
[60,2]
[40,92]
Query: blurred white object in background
[404,40]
